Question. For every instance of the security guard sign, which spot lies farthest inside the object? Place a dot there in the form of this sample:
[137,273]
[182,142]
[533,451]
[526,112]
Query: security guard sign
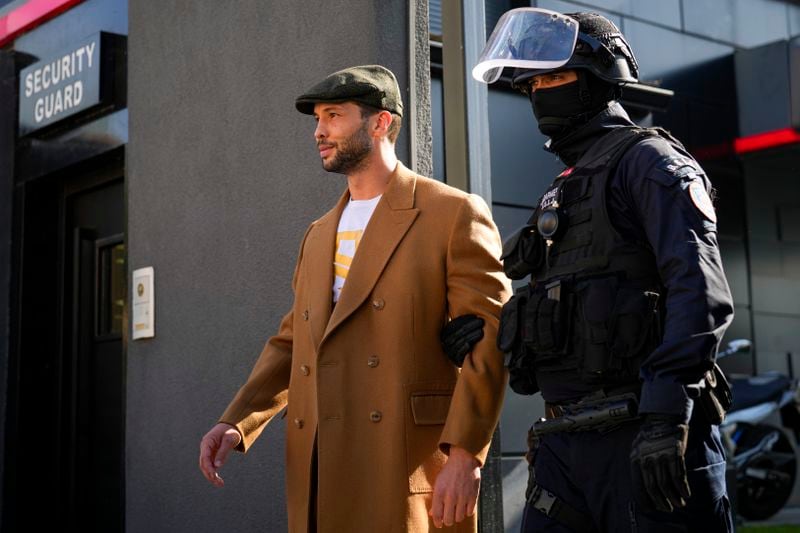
[701,200]
[77,78]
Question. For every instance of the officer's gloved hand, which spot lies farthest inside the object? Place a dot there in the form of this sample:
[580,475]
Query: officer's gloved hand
[459,336]
[657,461]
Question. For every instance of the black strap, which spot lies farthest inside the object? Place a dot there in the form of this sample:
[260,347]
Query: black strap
[554,507]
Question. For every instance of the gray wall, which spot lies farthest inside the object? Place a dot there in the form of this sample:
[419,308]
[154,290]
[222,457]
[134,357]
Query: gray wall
[773,213]
[222,180]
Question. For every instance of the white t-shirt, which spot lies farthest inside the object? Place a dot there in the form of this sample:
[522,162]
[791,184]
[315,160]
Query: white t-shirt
[352,224]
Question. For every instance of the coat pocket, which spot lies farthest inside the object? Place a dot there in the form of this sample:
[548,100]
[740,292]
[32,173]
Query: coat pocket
[426,413]
[430,409]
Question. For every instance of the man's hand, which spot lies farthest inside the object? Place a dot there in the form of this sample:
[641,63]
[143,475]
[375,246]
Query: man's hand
[657,461]
[214,449]
[455,494]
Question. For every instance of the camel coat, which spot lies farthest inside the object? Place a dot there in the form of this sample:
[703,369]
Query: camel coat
[367,377]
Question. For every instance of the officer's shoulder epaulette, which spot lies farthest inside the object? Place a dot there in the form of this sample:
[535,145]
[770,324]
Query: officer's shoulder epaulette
[673,160]
[659,158]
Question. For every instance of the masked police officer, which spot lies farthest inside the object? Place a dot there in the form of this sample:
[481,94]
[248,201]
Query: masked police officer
[627,301]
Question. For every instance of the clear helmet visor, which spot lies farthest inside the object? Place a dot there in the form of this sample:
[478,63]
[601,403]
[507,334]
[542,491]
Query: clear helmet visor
[527,37]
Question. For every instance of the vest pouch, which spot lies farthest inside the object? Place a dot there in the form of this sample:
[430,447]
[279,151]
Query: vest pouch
[551,326]
[521,372]
[523,252]
[549,320]
[509,330]
[530,323]
[510,341]
[596,300]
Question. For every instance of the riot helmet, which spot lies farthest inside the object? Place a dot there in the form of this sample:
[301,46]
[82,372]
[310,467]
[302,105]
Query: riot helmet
[536,41]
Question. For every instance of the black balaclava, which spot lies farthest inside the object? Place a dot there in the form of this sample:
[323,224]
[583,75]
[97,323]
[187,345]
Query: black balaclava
[561,110]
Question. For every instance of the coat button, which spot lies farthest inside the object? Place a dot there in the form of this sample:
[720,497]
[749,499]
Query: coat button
[305,370]
[298,422]
[375,416]
[373,361]
[305,314]
[378,304]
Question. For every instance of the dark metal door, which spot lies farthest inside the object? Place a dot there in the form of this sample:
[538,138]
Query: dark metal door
[64,432]
[93,365]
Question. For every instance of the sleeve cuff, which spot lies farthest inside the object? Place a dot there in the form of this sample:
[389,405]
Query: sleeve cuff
[665,397]
[480,455]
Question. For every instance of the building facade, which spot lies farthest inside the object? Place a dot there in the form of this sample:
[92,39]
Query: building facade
[163,135]
[734,71]
[211,183]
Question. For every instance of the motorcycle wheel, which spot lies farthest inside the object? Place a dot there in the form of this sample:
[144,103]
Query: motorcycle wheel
[767,480]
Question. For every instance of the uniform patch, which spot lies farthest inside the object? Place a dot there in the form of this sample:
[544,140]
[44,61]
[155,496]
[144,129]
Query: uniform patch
[566,172]
[677,166]
[701,200]
[549,198]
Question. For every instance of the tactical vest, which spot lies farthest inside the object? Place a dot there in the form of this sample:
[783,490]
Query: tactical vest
[592,305]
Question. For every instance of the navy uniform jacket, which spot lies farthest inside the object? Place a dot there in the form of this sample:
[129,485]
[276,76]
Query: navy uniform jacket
[659,196]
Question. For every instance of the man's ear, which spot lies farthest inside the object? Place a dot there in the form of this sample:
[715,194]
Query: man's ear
[383,119]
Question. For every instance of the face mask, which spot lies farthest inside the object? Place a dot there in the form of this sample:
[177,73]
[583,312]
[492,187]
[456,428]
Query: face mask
[560,110]
[555,106]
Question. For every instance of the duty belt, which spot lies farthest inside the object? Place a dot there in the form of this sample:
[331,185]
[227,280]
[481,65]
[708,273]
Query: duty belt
[596,412]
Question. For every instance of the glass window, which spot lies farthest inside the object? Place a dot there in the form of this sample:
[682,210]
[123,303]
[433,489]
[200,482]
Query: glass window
[745,23]
[435,19]
[520,167]
[665,12]
[663,52]
[111,292]
[437,126]
[569,7]
[794,20]
[494,9]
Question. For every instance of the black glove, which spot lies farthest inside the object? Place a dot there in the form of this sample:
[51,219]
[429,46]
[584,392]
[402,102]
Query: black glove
[657,462]
[459,336]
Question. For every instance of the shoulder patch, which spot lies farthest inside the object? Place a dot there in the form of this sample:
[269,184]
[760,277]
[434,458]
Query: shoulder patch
[701,200]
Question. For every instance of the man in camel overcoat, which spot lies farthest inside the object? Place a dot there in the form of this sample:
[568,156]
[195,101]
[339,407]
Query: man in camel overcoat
[383,432]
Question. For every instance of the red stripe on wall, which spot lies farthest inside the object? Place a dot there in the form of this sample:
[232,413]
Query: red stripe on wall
[712,151]
[762,141]
[30,15]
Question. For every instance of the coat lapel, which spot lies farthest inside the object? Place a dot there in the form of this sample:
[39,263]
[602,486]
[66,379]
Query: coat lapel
[319,269]
[393,216]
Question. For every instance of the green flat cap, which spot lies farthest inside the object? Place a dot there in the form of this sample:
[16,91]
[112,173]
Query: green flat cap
[372,85]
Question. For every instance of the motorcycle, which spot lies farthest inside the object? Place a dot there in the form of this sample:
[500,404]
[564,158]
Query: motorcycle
[761,454]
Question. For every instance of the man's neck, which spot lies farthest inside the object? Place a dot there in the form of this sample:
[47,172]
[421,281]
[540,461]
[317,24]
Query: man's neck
[372,180]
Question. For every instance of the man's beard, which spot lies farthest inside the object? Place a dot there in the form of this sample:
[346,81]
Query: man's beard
[351,153]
